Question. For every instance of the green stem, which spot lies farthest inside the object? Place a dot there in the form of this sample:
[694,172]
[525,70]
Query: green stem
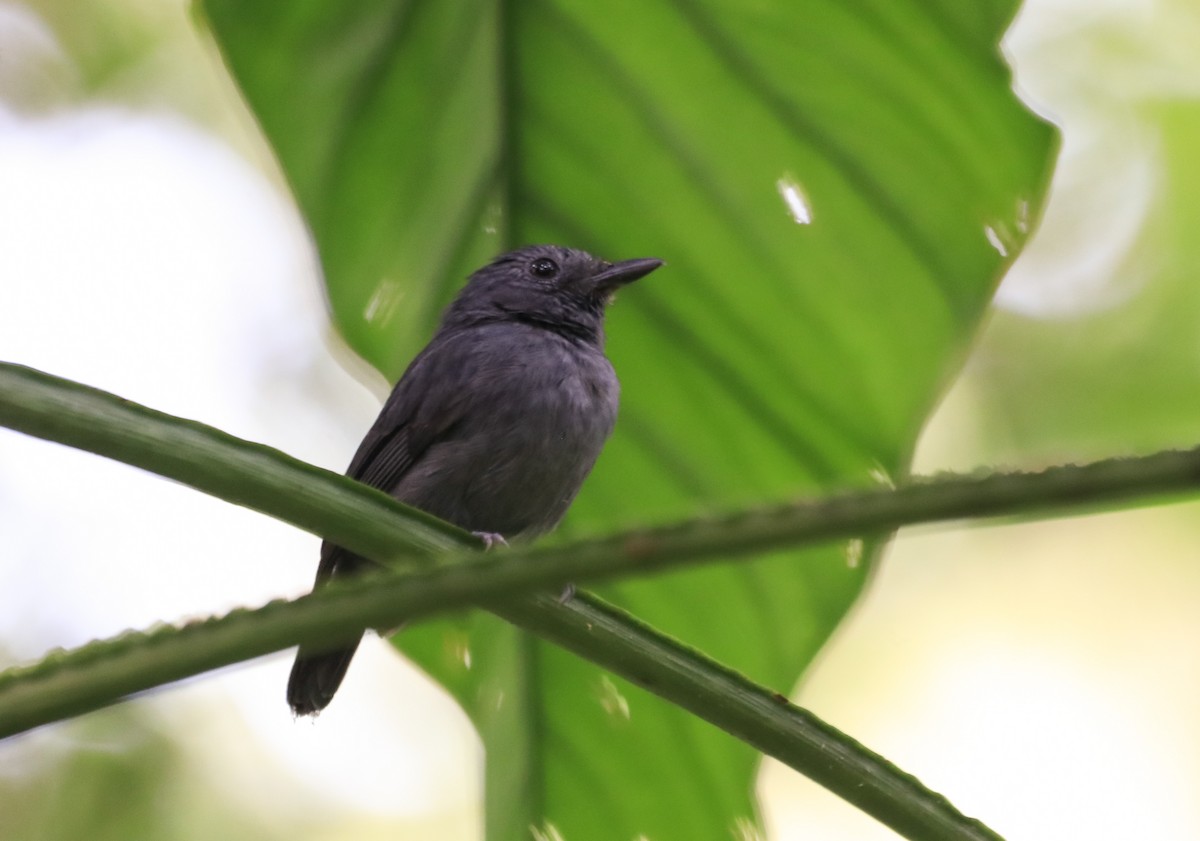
[379,527]
[758,716]
[207,459]
[100,673]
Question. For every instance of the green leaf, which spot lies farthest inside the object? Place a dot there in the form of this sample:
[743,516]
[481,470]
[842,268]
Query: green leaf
[770,359]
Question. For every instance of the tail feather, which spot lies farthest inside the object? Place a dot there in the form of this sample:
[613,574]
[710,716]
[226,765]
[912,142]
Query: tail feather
[316,676]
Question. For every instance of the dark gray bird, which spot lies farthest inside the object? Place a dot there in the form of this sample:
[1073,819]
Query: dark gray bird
[497,422]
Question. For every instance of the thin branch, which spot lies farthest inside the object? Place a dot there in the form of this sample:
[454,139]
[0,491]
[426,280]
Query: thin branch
[238,471]
[762,718]
[379,527]
[100,673]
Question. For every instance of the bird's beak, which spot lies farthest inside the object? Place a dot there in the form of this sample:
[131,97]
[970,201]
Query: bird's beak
[627,271]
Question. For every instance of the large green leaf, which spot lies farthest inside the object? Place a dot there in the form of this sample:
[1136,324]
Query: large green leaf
[769,359]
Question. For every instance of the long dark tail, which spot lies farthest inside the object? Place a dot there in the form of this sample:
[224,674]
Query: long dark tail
[315,677]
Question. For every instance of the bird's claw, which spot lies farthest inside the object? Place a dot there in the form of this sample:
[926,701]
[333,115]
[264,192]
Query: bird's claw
[490,539]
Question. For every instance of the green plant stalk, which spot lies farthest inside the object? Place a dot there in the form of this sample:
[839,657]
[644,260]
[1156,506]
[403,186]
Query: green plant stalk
[70,683]
[283,487]
[378,526]
[762,718]
[209,460]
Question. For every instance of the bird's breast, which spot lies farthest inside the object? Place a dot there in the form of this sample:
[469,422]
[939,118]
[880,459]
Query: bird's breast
[565,406]
[539,417]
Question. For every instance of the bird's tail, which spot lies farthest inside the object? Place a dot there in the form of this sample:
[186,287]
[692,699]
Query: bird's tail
[316,676]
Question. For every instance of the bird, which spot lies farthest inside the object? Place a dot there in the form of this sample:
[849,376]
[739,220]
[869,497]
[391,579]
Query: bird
[496,423]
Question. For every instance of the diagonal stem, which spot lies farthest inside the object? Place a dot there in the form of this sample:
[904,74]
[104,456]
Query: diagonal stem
[101,673]
[377,526]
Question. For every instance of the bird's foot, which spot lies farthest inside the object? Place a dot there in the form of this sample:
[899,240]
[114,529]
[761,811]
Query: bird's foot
[568,593]
[490,539]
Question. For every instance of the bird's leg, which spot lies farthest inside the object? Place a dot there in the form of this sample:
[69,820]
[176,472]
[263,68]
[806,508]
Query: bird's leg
[490,539]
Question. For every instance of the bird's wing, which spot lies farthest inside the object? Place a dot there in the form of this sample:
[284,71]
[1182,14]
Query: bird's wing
[384,456]
[417,415]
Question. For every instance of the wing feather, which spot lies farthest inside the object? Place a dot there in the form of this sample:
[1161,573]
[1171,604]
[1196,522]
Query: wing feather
[415,416]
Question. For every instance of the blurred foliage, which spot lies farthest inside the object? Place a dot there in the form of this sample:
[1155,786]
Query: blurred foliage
[117,777]
[771,358]
[1122,379]
[141,54]
[107,41]
[1113,366]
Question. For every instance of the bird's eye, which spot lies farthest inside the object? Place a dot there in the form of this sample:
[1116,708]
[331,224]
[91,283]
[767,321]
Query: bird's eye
[544,267]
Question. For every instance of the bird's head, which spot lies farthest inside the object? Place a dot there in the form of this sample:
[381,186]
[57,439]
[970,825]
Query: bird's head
[548,285]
